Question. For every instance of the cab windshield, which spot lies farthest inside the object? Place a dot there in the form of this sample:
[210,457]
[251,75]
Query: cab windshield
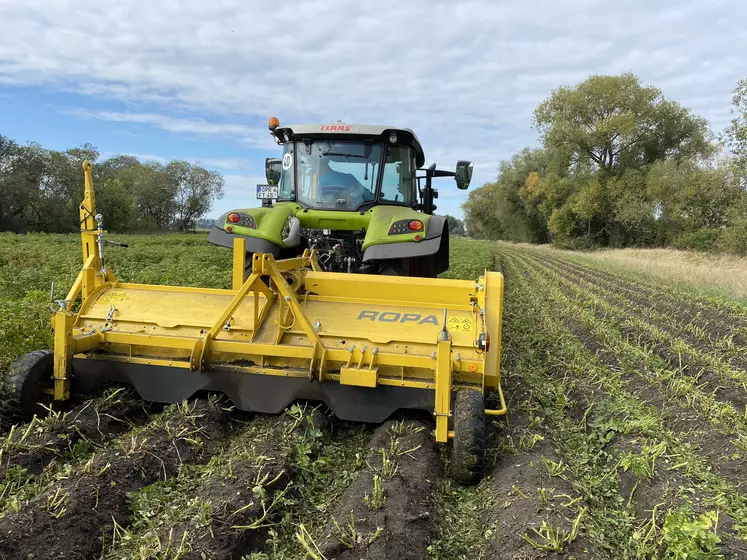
[339,175]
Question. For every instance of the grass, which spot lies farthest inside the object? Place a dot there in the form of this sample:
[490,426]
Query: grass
[705,273]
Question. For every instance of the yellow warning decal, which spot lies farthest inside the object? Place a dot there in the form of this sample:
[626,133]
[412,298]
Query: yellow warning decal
[460,324]
[114,297]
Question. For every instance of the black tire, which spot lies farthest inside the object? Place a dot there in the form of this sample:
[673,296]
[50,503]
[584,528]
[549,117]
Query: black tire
[469,436]
[22,387]
[392,269]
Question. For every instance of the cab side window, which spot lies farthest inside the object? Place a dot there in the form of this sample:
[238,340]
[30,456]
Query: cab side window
[398,181]
[286,190]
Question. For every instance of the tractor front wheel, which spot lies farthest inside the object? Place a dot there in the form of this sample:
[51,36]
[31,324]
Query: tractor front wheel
[469,436]
[23,386]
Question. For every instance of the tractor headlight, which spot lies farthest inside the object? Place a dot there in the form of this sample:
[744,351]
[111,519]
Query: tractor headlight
[291,232]
[286,228]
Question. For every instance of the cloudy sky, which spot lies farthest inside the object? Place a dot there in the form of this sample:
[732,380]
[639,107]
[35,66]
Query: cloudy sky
[198,79]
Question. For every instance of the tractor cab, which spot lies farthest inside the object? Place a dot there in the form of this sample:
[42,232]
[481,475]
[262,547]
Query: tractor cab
[357,194]
[354,167]
[347,167]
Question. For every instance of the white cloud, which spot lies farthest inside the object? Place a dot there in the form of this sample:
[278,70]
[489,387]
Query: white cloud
[221,163]
[465,75]
[199,126]
[211,163]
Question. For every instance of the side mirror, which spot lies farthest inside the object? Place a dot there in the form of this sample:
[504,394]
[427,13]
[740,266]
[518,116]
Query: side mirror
[272,170]
[463,174]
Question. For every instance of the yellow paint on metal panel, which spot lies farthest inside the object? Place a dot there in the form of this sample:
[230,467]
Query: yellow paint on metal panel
[369,287]
[493,324]
[443,389]
[63,323]
[114,297]
[359,377]
[239,262]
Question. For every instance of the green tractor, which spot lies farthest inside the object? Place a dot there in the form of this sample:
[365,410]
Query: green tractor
[353,193]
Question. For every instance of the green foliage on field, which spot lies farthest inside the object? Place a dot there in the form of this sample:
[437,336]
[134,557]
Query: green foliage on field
[30,263]
[620,165]
[469,259]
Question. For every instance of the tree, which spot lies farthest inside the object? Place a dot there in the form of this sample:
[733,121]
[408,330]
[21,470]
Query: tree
[689,197]
[112,167]
[456,226]
[116,205]
[195,190]
[520,215]
[61,188]
[597,135]
[500,210]
[20,172]
[154,191]
[611,123]
[41,190]
[735,135]
[479,213]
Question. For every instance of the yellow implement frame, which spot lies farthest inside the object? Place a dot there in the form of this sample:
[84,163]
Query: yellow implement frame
[286,326]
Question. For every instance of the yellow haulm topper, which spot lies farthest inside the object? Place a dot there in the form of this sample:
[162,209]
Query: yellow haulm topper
[365,345]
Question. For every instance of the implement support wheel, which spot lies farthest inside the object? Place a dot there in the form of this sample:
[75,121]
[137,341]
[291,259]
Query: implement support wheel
[469,436]
[23,386]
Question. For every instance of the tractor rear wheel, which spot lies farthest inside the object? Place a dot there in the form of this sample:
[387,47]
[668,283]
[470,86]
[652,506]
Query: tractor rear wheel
[469,436]
[23,386]
[393,268]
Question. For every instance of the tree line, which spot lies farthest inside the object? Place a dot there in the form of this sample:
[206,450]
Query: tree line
[41,190]
[620,165]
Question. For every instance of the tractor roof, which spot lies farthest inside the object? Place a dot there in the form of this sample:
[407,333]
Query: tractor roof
[342,130]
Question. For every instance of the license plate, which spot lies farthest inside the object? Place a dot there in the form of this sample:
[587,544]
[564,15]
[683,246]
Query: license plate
[267,191]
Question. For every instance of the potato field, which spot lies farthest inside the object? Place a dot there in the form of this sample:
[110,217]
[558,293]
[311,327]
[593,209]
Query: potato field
[626,435]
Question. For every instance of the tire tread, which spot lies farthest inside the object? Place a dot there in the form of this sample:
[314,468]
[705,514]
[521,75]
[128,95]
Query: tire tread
[469,436]
[15,386]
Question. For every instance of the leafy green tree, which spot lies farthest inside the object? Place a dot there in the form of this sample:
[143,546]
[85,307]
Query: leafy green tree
[41,190]
[116,204]
[195,191]
[479,213]
[456,226]
[598,133]
[499,210]
[521,217]
[734,238]
[736,133]
[689,197]
[613,122]
[111,168]
[154,191]
[21,171]
[61,189]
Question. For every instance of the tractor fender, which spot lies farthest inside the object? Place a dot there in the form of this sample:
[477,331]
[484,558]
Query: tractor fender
[218,236]
[436,238]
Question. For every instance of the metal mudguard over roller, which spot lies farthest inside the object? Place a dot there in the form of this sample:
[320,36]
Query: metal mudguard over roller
[365,345]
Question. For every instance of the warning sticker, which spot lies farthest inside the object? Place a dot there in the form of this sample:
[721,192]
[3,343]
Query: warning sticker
[114,297]
[287,161]
[457,324]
